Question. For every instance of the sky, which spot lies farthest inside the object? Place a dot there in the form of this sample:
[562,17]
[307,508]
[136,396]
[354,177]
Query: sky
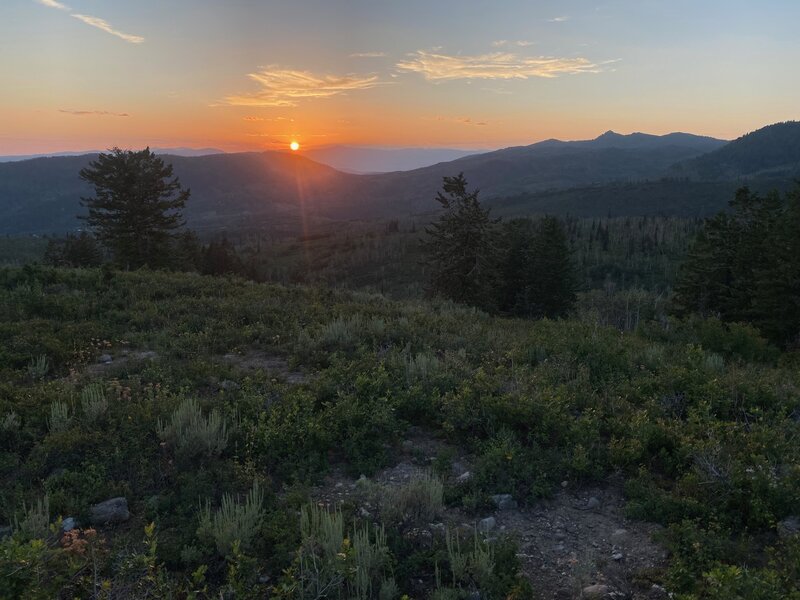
[258,74]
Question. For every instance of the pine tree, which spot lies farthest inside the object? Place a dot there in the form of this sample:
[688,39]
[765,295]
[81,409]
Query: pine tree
[538,275]
[745,266]
[135,212]
[460,247]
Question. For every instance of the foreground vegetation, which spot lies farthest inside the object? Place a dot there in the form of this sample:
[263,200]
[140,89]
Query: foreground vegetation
[216,463]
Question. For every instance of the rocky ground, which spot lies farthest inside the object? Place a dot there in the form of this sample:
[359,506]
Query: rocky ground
[577,544]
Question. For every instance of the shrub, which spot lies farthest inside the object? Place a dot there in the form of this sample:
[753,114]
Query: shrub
[93,402]
[35,522]
[234,521]
[59,418]
[192,434]
[38,367]
[419,500]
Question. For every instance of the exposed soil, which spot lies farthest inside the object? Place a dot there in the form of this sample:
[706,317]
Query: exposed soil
[575,539]
[254,360]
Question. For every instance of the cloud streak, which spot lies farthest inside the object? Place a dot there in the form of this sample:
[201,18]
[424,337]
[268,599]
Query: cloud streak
[287,87]
[104,25]
[97,22]
[97,113]
[494,65]
[368,55]
[53,4]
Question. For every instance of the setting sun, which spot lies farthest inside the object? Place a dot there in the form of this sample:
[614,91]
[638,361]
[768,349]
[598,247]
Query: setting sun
[294,146]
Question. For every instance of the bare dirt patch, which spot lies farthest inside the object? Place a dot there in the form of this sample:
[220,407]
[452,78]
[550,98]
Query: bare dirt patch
[254,360]
[578,538]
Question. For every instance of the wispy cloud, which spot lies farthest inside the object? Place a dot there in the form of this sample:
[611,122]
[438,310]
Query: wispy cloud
[368,55]
[106,26]
[558,19]
[286,87]
[495,65]
[461,120]
[505,43]
[97,113]
[53,4]
[93,21]
[252,118]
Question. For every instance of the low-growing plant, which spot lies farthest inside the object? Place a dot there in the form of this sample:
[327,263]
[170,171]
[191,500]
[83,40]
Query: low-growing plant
[94,402]
[235,521]
[38,367]
[419,500]
[35,521]
[59,419]
[192,434]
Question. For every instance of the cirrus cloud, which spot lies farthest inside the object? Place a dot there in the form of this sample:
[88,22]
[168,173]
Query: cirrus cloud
[97,113]
[104,25]
[494,65]
[287,87]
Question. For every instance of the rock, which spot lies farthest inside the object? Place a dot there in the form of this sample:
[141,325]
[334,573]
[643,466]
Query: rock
[474,596]
[408,445]
[464,477]
[229,386]
[657,593]
[114,510]
[487,524]
[619,537]
[5,531]
[504,502]
[592,504]
[560,536]
[789,527]
[595,592]
[364,513]
[105,359]
[564,484]
[146,355]
[617,555]
[68,524]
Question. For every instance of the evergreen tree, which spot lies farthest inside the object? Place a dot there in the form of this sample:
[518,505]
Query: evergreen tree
[538,275]
[135,212]
[745,266]
[73,251]
[460,247]
[220,258]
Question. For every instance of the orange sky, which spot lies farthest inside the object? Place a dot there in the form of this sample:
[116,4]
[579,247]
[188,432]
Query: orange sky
[243,75]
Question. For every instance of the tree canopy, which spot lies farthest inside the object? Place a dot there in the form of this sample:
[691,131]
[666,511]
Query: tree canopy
[136,210]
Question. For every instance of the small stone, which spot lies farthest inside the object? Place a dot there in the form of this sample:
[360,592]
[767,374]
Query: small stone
[657,593]
[464,477]
[564,483]
[592,504]
[504,502]
[487,524]
[339,484]
[789,527]
[229,386]
[617,555]
[105,359]
[114,510]
[595,592]
[68,524]
[560,536]
[364,513]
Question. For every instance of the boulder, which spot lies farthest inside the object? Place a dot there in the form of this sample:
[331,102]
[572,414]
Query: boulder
[114,510]
[595,592]
[68,524]
[487,524]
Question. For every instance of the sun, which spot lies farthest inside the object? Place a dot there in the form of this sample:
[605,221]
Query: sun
[294,146]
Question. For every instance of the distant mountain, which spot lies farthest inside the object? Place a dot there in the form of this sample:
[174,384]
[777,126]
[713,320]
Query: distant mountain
[43,195]
[181,151]
[769,152]
[281,192]
[367,159]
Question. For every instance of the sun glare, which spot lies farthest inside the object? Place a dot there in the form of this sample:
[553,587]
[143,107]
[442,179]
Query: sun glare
[294,146]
